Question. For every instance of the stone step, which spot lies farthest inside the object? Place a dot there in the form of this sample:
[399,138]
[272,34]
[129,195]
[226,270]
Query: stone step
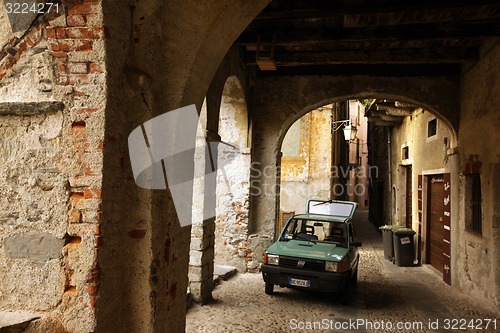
[223,273]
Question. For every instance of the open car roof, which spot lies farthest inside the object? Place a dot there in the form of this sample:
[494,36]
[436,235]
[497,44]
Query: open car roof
[337,208]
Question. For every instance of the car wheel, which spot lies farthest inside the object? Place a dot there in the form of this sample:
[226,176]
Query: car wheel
[354,277]
[269,288]
[345,293]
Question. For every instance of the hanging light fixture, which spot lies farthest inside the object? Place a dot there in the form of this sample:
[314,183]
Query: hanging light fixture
[350,130]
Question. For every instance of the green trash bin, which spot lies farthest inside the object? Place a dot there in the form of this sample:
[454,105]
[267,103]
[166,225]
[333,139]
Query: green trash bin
[387,240]
[404,252]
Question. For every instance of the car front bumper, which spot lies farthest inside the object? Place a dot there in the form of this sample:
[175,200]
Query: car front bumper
[323,281]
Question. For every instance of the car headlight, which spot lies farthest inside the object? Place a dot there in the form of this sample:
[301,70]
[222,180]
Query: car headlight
[271,259]
[331,266]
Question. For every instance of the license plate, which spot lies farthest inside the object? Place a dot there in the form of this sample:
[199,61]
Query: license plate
[299,282]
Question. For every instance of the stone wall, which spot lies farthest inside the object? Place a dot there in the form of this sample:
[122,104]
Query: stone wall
[479,136]
[52,101]
[308,175]
[233,186]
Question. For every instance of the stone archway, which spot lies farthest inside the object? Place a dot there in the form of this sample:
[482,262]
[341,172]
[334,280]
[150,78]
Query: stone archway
[283,100]
[233,181]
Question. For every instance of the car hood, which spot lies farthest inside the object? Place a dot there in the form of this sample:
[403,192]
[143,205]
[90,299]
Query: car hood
[308,250]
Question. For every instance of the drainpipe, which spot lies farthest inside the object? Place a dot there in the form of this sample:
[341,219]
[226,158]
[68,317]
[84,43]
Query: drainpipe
[389,171]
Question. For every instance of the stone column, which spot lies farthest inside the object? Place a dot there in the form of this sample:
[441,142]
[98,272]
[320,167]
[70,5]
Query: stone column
[201,255]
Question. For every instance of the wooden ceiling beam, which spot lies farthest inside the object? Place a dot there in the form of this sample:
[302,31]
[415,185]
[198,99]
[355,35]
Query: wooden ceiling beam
[384,70]
[428,32]
[371,9]
[374,56]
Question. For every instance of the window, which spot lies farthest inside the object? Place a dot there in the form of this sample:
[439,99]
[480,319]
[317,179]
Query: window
[406,153]
[473,213]
[432,128]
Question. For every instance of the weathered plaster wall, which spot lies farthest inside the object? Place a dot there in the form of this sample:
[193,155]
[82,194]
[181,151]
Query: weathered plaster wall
[52,86]
[426,154]
[308,175]
[479,137]
[33,218]
[233,186]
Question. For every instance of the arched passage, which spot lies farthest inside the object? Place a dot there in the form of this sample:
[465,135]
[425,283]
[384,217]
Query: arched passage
[282,102]
[280,106]
[233,184]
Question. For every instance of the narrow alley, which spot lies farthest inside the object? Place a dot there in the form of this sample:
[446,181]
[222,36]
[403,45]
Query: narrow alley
[386,296]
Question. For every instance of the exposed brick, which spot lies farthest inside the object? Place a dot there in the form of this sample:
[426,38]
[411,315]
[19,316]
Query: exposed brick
[137,233]
[80,93]
[86,111]
[2,74]
[83,9]
[23,46]
[93,275]
[92,33]
[50,33]
[30,42]
[96,68]
[89,193]
[59,54]
[11,61]
[62,68]
[93,20]
[88,171]
[75,21]
[54,47]
[78,79]
[61,33]
[75,45]
[78,67]
[91,289]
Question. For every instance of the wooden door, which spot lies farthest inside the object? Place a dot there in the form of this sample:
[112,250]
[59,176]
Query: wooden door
[435,225]
[283,219]
[408,196]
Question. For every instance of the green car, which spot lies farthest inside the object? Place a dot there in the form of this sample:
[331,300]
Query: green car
[315,251]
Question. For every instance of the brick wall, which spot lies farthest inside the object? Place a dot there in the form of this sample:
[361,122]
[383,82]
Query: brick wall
[74,39]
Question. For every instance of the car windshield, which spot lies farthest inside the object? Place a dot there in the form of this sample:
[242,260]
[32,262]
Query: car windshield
[316,231]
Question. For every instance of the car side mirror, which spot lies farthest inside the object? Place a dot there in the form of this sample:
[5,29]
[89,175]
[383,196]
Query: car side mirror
[357,244]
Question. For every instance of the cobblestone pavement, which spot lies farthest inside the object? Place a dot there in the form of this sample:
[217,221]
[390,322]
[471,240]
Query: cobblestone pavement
[385,295]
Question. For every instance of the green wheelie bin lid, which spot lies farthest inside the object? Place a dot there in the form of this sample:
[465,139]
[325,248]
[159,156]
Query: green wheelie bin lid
[390,227]
[403,231]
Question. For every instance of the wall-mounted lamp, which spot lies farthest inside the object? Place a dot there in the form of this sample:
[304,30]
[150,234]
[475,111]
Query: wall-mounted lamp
[350,130]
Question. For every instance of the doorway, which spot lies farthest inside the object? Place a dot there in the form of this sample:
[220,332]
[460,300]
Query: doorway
[409,197]
[435,225]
